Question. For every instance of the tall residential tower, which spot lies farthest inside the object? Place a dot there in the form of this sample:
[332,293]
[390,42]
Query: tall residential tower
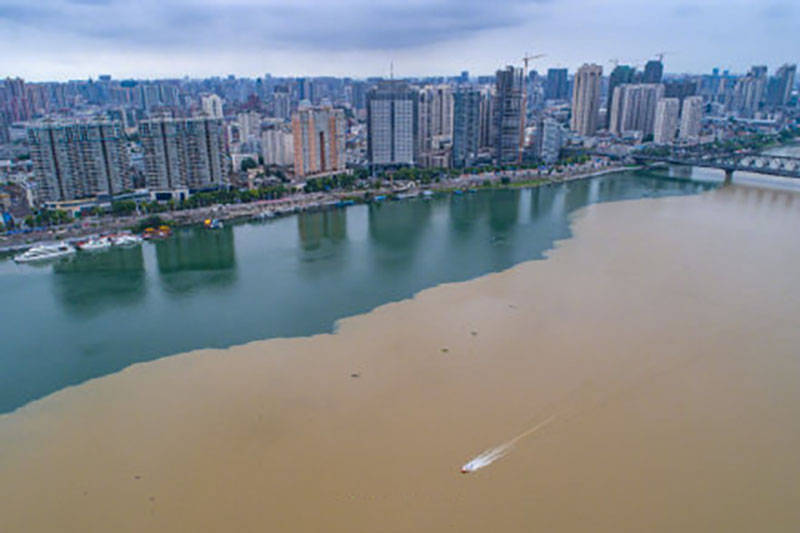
[508,115]
[319,141]
[392,124]
[586,99]
[78,159]
[466,126]
[183,153]
[666,121]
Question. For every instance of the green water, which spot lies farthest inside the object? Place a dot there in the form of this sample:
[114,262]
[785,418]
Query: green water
[98,313]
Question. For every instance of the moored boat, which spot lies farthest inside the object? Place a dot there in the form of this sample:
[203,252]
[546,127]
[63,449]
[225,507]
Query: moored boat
[95,245]
[126,239]
[45,252]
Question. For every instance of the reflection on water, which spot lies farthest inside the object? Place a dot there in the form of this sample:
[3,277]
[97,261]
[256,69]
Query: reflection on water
[503,207]
[88,283]
[197,258]
[760,200]
[322,239]
[467,212]
[100,313]
[396,229]
[315,229]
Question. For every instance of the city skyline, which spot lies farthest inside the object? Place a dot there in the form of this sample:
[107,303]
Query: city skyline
[56,40]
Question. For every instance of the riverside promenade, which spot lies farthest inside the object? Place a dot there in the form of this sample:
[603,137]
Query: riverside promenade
[80,229]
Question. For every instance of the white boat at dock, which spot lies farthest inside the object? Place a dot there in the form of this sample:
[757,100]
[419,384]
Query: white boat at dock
[408,195]
[95,245]
[126,240]
[45,252]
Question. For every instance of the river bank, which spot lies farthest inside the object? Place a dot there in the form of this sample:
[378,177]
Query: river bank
[299,202]
[661,337]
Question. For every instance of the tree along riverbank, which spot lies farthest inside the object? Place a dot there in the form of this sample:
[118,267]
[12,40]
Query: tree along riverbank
[251,206]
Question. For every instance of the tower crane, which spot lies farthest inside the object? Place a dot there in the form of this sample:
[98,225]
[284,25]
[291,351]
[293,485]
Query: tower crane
[527,57]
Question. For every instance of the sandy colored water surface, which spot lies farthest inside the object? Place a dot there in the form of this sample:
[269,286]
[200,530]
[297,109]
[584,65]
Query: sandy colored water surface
[664,337]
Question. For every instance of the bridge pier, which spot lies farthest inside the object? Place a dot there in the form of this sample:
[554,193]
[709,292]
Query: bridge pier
[728,176]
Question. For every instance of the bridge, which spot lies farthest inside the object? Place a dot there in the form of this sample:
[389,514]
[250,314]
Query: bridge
[773,165]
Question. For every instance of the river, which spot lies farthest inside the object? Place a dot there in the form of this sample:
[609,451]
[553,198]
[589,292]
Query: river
[616,354]
[91,316]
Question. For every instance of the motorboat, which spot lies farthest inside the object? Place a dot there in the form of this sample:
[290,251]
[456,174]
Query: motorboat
[45,252]
[213,223]
[407,195]
[95,245]
[126,239]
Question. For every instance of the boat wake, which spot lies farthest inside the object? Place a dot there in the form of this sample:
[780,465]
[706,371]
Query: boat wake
[493,454]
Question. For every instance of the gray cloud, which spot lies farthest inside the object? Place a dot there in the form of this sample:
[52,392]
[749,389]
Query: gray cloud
[353,24]
[43,39]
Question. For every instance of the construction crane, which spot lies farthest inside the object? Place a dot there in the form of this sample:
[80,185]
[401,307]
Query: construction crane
[526,58]
[524,111]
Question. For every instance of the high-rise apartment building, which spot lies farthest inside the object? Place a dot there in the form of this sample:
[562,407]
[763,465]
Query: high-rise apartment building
[748,94]
[212,106]
[78,159]
[281,102]
[486,126]
[319,141]
[5,133]
[556,86]
[277,146]
[549,140]
[653,72]
[305,89]
[680,89]
[633,108]
[435,116]
[691,118]
[466,126]
[357,95]
[621,74]
[586,99]
[14,99]
[779,87]
[666,122]
[392,124]
[183,153]
[507,115]
[250,124]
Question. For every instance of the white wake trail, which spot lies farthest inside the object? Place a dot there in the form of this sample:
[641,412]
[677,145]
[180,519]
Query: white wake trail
[493,454]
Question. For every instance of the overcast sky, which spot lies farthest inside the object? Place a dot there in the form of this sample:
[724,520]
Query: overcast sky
[71,39]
